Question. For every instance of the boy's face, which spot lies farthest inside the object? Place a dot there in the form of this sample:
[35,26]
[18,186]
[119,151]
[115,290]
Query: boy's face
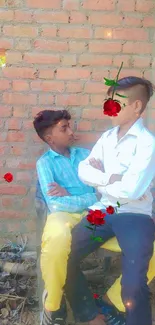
[130,110]
[60,135]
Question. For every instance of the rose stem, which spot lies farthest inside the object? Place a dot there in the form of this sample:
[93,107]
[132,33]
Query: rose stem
[117,79]
[94,230]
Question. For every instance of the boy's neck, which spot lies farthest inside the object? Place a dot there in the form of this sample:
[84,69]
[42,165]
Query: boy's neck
[123,129]
[62,151]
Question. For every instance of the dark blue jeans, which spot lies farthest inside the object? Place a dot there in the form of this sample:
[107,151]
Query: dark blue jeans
[135,234]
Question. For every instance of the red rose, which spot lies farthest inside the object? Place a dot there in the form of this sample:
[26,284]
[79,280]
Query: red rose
[110,210]
[111,107]
[8,177]
[95,296]
[96,217]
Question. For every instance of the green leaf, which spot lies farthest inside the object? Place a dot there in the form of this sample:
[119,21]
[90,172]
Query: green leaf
[122,96]
[99,239]
[118,204]
[89,227]
[110,82]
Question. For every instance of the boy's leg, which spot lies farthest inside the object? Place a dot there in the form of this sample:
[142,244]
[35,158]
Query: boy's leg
[135,234]
[76,288]
[114,293]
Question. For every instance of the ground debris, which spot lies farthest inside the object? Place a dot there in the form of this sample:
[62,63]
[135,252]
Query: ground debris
[18,293]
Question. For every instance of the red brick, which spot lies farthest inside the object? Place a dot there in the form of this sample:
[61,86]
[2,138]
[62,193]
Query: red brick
[90,59]
[23,176]
[14,226]
[46,74]
[100,74]
[98,4]
[131,34]
[77,17]
[29,226]
[48,32]
[80,32]
[105,47]
[27,165]
[54,17]
[102,125]
[53,46]
[28,125]
[72,100]
[16,150]
[14,124]
[20,85]
[36,139]
[12,189]
[132,21]
[99,18]
[19,99]
[71,5]
[23,44]
[6,15]
[23,73]
[145,5]
[20,111]
[68,60]
[5,111]
[6,43]
[77,47]
[4,84]
[142,62]
[47,86]
[52,4]
[74,87]
[23,15]
[13,57]
[2,3]
[3,150]
[94,88]
[13,3]
[37,58]
[72,73]
[126,59]
[12,215]
[84,126]
[46,99]
[8,202]
[97,100]
[15,136]
[128,72]
[20,31]
[137,48]
[126,5]
[87,137]
[149,21]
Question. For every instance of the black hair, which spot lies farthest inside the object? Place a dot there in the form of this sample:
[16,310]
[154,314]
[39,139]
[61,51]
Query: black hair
[143,92]
[49,118]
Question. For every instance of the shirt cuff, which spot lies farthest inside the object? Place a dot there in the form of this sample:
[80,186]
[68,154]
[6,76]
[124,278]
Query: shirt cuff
[105,179]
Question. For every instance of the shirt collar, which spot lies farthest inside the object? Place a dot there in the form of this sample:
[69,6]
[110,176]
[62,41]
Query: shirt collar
[136,127]
[56,154]
[134,130]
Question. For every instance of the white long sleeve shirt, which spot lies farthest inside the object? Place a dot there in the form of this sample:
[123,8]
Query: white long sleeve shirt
[133,156]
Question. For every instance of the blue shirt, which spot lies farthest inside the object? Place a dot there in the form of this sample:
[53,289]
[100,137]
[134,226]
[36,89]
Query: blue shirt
[53,167]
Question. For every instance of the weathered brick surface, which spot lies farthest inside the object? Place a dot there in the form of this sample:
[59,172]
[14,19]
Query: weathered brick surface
[58,53]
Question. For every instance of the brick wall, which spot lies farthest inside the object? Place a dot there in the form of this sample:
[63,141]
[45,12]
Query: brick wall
[58,52]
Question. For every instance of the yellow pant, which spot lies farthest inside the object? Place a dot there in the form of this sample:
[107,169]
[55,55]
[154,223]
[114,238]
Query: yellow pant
[55,249]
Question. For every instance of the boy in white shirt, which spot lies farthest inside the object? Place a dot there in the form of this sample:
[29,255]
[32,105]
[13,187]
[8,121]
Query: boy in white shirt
[128,154]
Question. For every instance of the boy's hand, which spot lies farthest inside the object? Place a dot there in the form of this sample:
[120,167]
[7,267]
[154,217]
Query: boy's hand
[96,163]
[57,190]
[115,178]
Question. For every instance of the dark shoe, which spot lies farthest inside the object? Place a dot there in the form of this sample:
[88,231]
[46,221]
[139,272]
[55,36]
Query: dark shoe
[113,316]
[56,317]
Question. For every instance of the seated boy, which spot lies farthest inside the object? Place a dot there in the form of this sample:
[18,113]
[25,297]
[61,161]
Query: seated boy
[67,199]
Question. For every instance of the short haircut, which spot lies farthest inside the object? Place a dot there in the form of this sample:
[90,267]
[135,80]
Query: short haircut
[138,89]
[49,118]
